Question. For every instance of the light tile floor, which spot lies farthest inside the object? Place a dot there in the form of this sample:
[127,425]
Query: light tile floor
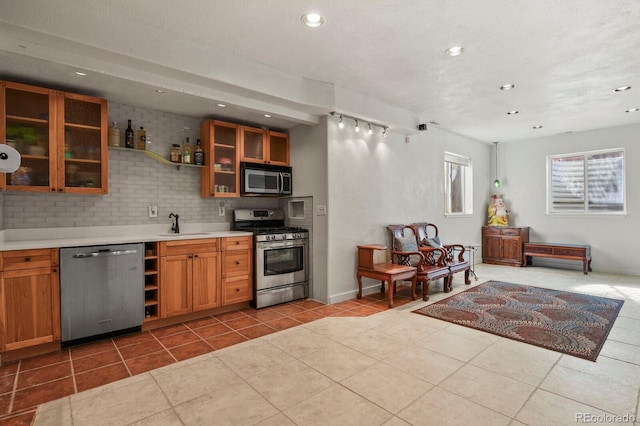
[390,368]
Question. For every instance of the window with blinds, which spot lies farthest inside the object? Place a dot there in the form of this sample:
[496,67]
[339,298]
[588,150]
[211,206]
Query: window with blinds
[588,182]
[458,185]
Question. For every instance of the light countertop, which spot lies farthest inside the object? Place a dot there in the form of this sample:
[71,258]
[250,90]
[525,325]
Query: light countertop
[35,238]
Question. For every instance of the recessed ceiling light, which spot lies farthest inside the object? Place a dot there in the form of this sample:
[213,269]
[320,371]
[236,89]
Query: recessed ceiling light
[159,91]
[313,20]
[222,105]
[80,73]
[513,112]
[622,88]
[507,86]
[537,127]
[632,109]
[267,115]
[455,50]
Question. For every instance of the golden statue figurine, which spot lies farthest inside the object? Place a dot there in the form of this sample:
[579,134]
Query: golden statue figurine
[498,213]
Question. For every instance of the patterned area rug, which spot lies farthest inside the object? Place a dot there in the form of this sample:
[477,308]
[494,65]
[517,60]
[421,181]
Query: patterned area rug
[571,323]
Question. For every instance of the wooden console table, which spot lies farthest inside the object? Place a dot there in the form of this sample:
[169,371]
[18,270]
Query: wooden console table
[559,251]
[389,272]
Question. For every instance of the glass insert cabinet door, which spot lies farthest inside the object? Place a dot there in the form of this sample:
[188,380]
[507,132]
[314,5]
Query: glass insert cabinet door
[29,126]
[253,144]
[82,153]
[278,148]
[225,159]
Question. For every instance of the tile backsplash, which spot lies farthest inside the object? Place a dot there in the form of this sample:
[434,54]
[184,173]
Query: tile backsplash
[135,182]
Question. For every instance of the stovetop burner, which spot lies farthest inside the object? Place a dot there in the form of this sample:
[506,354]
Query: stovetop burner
[266,225]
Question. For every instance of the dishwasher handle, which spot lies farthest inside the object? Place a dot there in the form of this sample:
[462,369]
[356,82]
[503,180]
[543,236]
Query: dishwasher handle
[101,253]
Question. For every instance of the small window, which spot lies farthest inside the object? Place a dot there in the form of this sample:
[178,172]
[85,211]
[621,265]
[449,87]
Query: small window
[458,185]
[586,183]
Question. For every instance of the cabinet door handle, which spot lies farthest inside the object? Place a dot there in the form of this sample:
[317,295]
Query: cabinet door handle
[237,242]
[55,269]
[53,190]
[60,189]
[27,259]
[237,289]
[190,256]
[237,263]
[195,255]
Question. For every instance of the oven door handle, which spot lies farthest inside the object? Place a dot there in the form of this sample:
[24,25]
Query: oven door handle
[283,244]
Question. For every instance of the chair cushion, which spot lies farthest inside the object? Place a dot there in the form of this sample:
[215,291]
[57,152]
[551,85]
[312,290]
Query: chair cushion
[432,242]
[407,244]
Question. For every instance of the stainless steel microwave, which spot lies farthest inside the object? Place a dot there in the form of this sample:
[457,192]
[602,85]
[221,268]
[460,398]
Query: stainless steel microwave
[264,179]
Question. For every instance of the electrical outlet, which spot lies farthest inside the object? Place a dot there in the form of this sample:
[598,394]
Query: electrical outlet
[221,209]
[321,210]
[153,211]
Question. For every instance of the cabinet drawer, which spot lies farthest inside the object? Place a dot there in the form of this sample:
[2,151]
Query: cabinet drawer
[236,262]
[170,248]
[237,289]
[538,249]
[510,232]
[567,251]
[237,243]
[28,259]
[492,231]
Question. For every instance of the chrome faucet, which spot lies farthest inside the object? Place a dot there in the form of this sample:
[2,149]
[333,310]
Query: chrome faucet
[175,227]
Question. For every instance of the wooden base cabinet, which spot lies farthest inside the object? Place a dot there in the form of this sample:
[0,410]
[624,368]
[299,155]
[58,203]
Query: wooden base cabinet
[502,245]
[237,262]
[190,276]
[29,298]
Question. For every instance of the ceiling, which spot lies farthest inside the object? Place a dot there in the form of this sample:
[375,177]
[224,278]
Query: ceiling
[378,60]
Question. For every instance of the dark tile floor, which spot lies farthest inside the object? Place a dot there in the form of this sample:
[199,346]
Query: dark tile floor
[25,384]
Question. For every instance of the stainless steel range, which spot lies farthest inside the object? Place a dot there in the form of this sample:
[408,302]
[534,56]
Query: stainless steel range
[281,255]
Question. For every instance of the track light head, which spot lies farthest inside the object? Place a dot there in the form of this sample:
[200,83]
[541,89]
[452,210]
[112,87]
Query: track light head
[370,131]
[340,123]
[357,128]
[384,132]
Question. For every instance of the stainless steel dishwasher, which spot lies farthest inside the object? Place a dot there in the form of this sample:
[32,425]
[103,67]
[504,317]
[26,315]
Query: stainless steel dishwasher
[101,291]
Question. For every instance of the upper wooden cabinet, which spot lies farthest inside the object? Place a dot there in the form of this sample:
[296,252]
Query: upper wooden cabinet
[61,137]
[220,176]
[264,146]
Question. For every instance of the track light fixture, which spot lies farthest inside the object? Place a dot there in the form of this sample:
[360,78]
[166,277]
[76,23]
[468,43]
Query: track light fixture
[370,124]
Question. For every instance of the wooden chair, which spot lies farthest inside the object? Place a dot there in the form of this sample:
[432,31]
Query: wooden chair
[428,261]
[454,253]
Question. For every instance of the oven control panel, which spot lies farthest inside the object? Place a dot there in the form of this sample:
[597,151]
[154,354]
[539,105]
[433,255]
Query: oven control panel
[283,236]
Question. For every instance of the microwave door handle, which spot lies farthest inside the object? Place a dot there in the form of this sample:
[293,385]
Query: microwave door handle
[281,188]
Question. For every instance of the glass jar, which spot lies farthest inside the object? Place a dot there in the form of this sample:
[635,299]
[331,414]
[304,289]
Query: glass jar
[176,154]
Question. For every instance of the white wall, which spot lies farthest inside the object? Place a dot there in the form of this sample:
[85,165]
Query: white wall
[375,181]
[309,162]
[522,171]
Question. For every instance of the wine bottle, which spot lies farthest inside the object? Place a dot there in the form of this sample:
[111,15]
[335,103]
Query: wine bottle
[198,154]
[186,153]
[128,136]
